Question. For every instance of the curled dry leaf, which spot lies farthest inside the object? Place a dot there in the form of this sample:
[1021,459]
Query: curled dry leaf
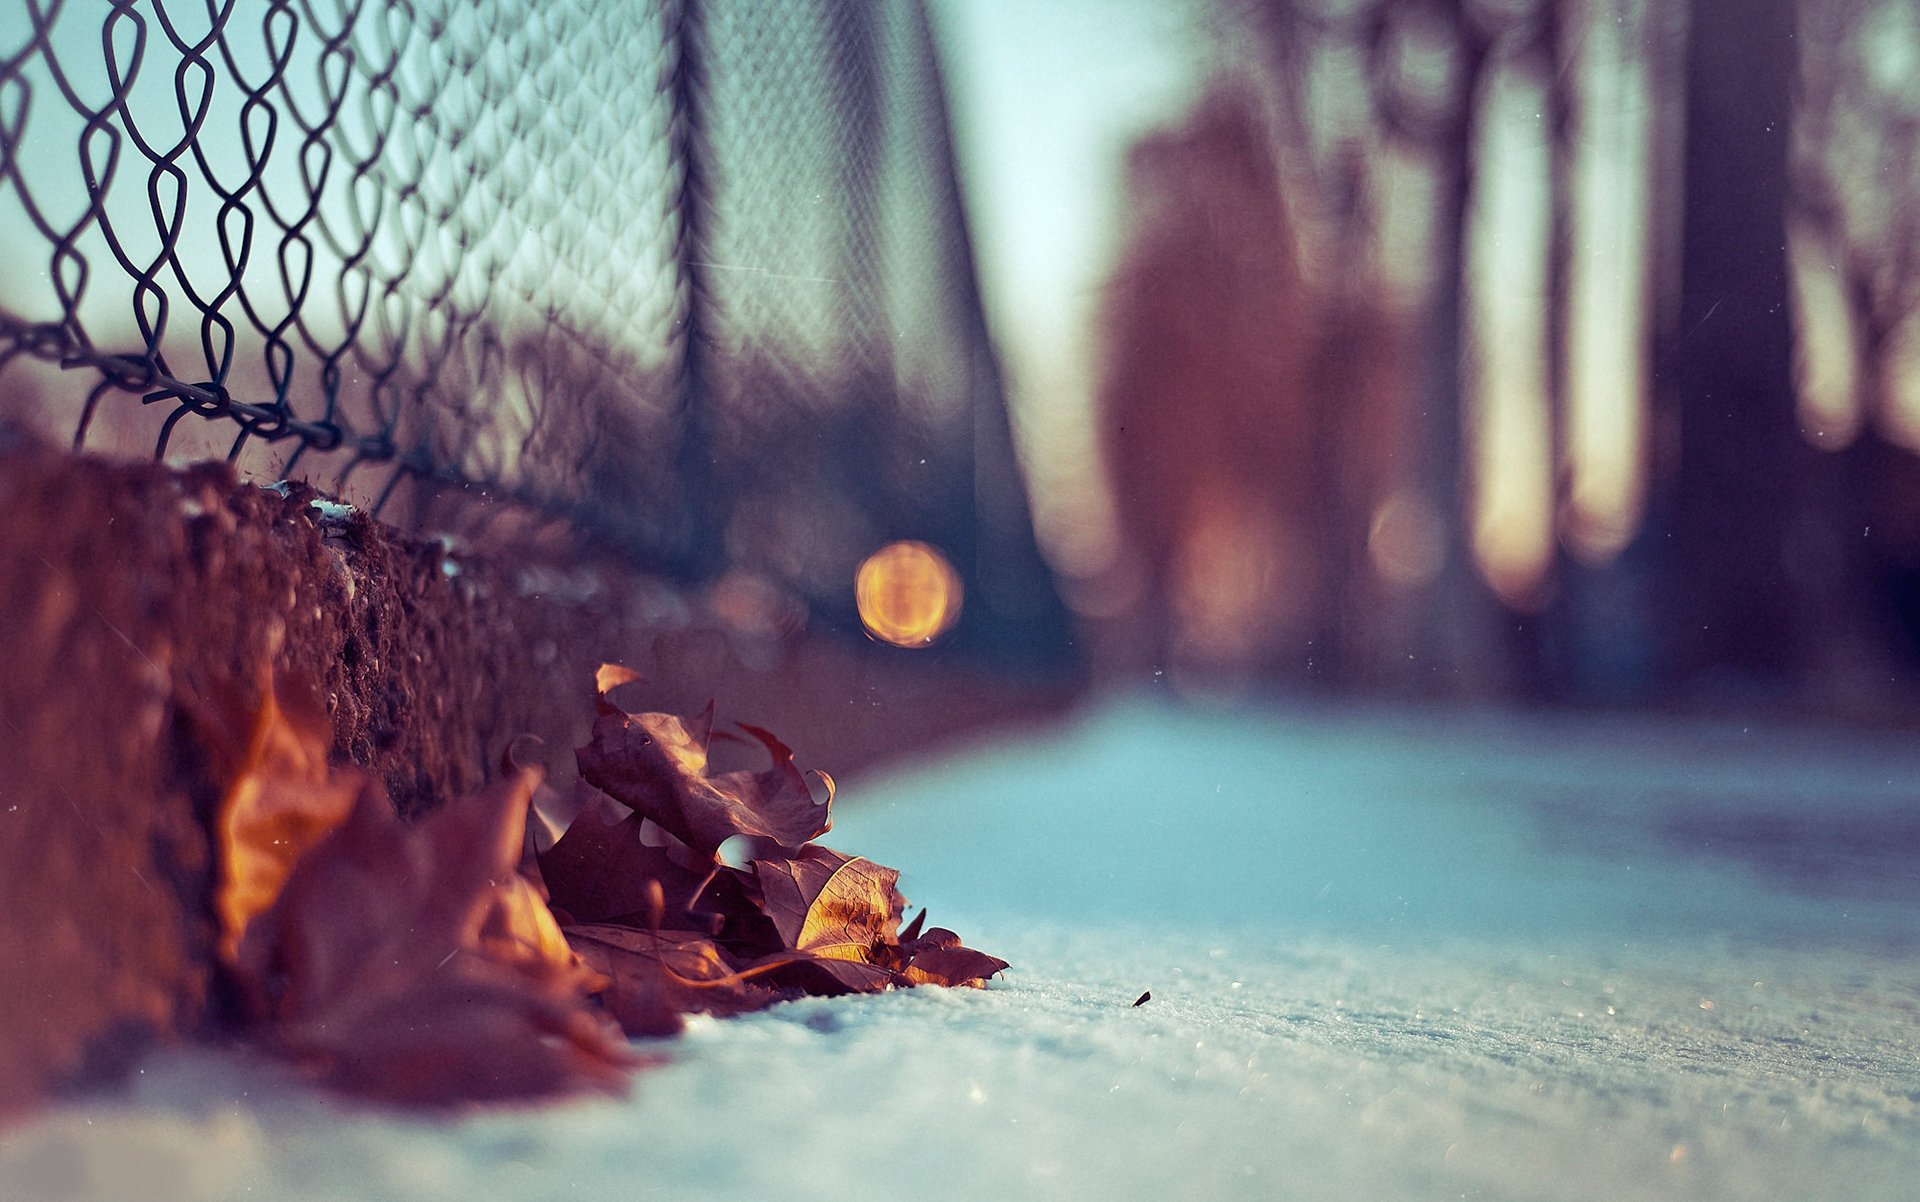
[939,958]
[414,964]
[835,909]
[601,869]
[830,904]
[279,802]
[375,900]
[517,929]
[657,976]
[656,765]
[474,1032]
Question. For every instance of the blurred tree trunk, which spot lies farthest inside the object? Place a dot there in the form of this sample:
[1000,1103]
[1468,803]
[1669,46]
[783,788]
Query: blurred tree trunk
[1730,504]
[1857,123]
[1538,642]
[1459,653]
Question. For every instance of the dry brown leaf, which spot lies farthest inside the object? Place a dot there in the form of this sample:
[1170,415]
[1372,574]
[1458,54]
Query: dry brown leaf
[518,930]
[836,912]
[601,870]
[656,765]
[279,801]
[415,964]
[657,976]
[611,676]
[828,904]
[939,958]
[473,1033]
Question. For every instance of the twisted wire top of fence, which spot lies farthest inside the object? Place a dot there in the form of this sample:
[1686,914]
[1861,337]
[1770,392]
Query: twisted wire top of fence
[690,273]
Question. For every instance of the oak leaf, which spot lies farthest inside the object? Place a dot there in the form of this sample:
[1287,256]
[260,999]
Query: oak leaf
[279,801]
[830,904]
[473,1032]
[837,910]
[414,964]
[656,765]
[603,869]
[656,976]
[938,958]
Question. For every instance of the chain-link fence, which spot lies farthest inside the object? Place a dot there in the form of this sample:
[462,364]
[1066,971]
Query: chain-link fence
[691,274]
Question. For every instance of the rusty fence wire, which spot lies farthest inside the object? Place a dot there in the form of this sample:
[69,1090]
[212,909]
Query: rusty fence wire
[692,275]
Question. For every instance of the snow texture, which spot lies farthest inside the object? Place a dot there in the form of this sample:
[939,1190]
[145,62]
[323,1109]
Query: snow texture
[1390,956]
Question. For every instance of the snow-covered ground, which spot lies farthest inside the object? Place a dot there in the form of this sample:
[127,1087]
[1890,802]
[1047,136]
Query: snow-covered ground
[1390,956]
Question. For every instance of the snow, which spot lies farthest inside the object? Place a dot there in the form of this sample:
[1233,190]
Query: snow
[1390,955]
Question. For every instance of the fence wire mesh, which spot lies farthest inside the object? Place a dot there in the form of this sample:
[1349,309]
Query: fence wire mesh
[691,274]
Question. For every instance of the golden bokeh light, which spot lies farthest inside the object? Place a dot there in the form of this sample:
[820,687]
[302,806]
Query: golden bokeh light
[908,594]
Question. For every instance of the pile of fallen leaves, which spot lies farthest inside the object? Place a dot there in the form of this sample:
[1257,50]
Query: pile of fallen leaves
[487,952]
